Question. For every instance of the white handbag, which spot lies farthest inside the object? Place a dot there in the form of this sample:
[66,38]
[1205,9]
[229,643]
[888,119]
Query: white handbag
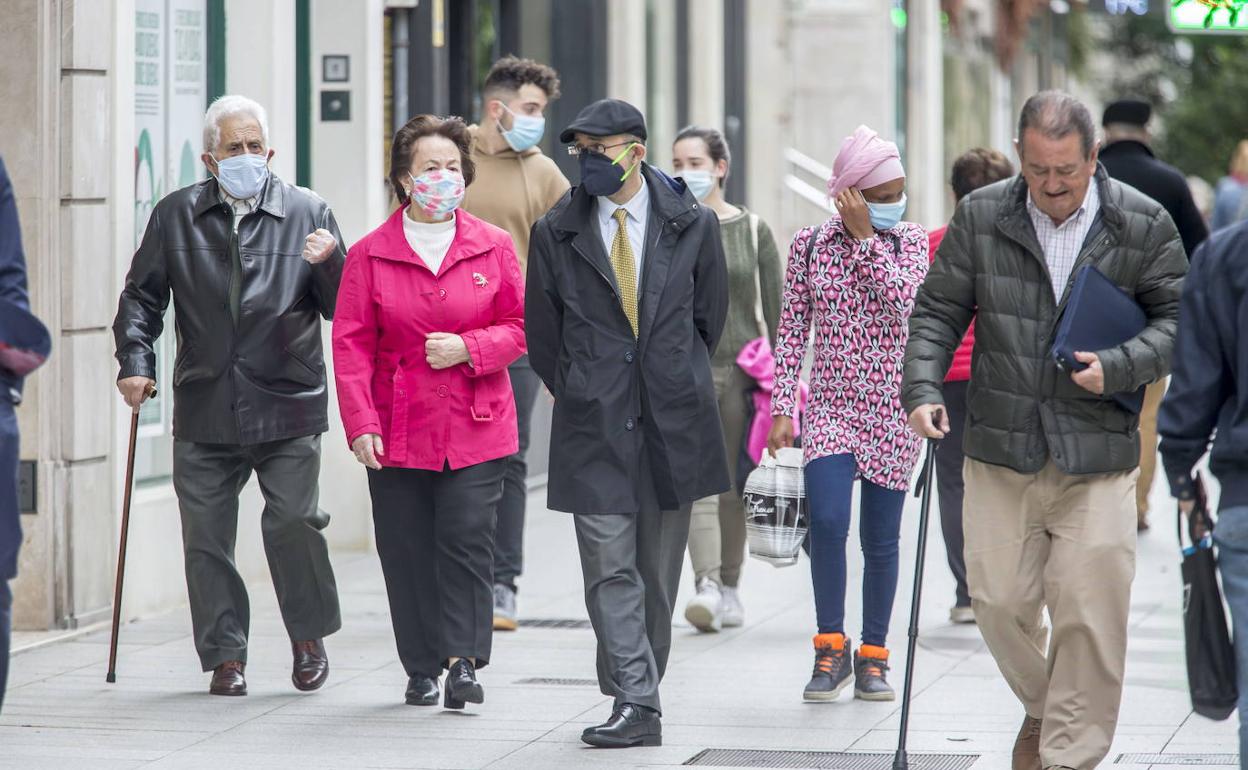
[776,515]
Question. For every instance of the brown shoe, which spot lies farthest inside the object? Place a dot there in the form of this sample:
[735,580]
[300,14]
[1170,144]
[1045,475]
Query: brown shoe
[311,665]
[228,679]
[1027,746]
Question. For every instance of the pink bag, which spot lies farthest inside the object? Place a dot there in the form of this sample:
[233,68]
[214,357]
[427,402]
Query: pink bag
[756,360]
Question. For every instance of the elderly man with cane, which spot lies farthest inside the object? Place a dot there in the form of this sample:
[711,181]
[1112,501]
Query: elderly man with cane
[1051,457]
[252,263]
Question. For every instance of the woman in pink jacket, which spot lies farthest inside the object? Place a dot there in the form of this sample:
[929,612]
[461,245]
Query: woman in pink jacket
[430,313]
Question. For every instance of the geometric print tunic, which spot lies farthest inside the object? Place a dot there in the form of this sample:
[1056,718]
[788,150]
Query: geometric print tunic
[858,297]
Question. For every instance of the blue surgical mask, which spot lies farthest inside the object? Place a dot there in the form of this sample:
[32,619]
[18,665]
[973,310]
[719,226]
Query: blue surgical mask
[243,176]
[526,131]
[885,216]
[699,181]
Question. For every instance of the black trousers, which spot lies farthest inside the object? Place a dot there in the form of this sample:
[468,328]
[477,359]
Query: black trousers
[509,534]
[949,486]
[435,537]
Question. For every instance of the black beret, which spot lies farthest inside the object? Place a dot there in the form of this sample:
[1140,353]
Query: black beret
[1129,111]
[606,117]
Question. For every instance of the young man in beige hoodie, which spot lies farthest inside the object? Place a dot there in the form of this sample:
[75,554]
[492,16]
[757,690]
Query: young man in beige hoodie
[515,185]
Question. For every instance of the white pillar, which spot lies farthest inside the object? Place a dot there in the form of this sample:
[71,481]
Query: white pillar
[706,62]
[925,116]
[626,51]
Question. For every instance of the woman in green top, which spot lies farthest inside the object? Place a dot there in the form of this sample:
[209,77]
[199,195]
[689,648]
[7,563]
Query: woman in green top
[755,279]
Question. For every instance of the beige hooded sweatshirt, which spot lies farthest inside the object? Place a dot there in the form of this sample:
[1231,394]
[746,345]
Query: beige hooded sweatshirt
[513,190]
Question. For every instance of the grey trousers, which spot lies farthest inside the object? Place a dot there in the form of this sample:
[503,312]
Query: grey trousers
[631,564]
[208,479]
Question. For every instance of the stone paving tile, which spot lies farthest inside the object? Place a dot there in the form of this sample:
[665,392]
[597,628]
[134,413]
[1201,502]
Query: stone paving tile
[737,689]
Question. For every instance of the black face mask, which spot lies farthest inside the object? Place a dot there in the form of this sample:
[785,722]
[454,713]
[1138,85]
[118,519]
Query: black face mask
[601,176]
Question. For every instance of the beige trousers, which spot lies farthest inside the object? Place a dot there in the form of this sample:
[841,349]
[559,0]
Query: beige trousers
[717,526]
[1067,543]
[1148,444]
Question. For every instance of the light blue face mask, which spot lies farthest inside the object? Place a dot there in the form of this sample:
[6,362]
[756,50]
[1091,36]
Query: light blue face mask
[699,181]
[885,216]
[526,131]
[243,176]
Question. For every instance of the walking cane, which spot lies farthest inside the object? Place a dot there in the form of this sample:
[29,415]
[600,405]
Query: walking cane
[125,531]
[924,492]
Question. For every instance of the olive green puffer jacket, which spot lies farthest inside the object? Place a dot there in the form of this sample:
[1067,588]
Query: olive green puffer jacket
[1021,408]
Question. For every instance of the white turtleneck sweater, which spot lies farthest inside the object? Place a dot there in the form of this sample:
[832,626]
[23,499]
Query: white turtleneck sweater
[430,241]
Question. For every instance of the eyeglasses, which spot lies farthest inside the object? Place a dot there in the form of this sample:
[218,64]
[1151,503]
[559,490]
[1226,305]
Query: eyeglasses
[594,149]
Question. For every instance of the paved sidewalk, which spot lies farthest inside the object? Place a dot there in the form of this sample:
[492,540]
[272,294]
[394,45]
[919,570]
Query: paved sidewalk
[738,689]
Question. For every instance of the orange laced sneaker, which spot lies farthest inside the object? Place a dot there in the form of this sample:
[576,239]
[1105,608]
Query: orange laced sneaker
[871,674]
[832,669]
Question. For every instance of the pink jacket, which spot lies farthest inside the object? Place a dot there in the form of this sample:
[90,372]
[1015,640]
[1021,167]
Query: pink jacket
[388,302]
[756,360]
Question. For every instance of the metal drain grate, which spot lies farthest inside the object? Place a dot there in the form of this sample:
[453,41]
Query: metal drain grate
[1188,760]
[826,760]
[558,682]
[554,623]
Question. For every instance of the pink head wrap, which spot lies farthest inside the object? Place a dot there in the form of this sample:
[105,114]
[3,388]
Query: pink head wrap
[865,160]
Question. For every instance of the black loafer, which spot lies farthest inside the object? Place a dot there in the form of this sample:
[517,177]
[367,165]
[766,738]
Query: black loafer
[462,685]
[629,725]
[422,690]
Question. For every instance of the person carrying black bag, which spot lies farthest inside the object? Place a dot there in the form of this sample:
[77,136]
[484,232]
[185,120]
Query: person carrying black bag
[1208,398]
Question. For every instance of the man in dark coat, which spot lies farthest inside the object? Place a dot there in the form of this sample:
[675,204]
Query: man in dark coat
[626,297]
[1051,457]
[1128,158]
[253,263]
[23,344]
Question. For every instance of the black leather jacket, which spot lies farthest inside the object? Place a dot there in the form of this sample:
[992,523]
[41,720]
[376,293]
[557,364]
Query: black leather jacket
[265,380]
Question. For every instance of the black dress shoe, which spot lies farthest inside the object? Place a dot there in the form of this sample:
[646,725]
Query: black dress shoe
[629,725]
[228,679]
[311,667]
[422,690]
[462,685]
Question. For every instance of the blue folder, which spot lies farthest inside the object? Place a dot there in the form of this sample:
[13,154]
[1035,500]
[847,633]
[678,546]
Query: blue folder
[1098,316]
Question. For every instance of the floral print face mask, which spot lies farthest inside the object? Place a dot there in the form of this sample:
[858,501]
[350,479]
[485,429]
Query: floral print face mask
[437,193]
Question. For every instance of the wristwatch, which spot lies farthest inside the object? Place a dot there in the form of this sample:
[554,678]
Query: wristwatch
[15,396]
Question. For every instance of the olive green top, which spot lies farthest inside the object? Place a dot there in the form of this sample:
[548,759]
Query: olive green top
[742,324]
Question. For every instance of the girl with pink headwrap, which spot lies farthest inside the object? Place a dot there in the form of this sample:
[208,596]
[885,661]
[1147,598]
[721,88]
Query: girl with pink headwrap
[854,279]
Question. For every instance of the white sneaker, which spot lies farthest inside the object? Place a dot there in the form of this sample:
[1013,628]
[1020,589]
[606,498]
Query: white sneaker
[731,611]
[962,614]
[703,610]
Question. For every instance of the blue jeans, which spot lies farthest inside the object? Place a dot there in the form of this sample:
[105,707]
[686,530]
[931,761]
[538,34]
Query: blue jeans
[829,493]
[1231,536]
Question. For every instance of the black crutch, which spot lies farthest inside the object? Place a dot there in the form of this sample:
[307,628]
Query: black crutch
[924,493]
[111,677]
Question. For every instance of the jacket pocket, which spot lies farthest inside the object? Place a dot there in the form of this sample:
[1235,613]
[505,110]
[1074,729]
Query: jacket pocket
[302,371]
[182,370]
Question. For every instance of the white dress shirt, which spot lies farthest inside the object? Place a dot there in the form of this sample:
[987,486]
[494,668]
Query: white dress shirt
[1062,243]
[430,241]
[638,208]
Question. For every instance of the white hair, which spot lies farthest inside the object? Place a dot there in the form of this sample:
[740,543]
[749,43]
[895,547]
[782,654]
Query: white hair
[232,105]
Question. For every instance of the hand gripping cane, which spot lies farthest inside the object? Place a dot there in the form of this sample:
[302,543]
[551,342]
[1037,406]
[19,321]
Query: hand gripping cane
[924,492]
[125,531]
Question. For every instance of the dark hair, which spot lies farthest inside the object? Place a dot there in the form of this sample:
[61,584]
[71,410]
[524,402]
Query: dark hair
[1057,114]
[977,168]
[418,128]
[510,73]
[716,145]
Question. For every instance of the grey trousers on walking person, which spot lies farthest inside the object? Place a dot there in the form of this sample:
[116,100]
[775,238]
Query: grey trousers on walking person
[631,565]
[717,528]
[509,532]
[208,479]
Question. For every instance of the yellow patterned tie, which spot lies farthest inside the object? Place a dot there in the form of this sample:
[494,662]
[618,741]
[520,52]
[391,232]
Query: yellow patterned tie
[625,267]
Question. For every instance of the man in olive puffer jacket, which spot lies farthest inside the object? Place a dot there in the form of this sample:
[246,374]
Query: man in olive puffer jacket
[1051,458]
